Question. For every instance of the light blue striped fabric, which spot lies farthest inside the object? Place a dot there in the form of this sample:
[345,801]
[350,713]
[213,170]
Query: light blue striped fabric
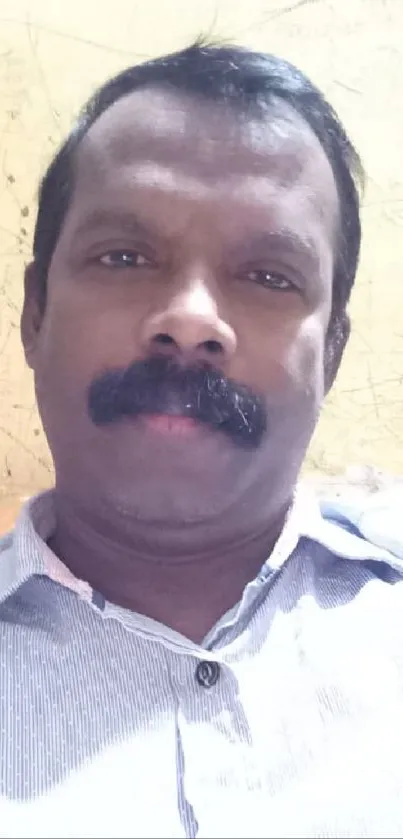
[377,517]
[105,730]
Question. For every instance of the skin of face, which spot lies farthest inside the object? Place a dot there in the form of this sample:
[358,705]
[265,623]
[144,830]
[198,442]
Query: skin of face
[219,230]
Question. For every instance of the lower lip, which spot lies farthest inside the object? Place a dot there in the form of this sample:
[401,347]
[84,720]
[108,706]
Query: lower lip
[167,424]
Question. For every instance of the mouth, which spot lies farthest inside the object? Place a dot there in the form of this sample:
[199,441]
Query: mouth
[178,403]
[171,424]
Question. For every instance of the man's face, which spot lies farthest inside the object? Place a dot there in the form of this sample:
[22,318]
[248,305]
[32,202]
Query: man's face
[202,243]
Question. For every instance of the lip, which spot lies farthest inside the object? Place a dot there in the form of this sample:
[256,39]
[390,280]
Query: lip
[171,424]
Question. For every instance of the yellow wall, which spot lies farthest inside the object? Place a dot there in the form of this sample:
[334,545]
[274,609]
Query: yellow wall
[53,53]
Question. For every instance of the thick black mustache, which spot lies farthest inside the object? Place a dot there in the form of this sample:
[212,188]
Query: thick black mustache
[161,386]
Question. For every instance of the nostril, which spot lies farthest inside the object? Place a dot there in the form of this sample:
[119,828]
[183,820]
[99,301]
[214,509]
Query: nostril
[213,347]
[163,338]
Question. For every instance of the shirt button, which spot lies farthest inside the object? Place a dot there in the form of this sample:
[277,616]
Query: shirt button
[207,673]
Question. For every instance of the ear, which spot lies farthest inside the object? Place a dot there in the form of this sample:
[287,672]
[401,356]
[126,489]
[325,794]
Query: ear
[32,312]
[336,339]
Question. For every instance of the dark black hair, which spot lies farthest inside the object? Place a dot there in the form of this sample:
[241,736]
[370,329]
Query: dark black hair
[248,81]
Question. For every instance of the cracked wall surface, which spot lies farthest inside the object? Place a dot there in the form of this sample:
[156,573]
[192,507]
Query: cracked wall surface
[52,55]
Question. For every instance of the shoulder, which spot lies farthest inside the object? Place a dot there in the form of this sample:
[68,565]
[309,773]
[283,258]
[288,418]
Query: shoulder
[338,530]
[376,519]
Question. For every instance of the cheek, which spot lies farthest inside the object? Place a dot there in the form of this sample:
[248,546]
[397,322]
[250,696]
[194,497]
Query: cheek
[305,363]
[82,336]
[64,351]
[291,361]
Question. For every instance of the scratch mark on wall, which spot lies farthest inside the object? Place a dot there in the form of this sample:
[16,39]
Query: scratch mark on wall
[67,36]
[25,448]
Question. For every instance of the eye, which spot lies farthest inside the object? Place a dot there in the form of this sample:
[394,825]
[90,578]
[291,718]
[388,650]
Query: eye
[271,279]
[124,259]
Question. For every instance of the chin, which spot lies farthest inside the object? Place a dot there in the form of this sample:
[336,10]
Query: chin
[164,486]
[150,476]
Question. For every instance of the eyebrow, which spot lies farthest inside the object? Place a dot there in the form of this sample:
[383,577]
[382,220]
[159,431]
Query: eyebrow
[119,219]
[285,241]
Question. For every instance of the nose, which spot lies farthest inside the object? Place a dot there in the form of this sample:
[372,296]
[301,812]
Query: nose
[190,325]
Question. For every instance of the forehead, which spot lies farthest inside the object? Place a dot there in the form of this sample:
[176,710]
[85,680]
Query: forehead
[174,142]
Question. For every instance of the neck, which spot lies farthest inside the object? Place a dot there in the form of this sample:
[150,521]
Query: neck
[185,576]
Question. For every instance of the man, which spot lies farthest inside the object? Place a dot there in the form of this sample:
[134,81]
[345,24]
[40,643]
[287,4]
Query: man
[187,647]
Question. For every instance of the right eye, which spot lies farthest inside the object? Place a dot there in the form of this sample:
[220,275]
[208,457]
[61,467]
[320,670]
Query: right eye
[124,259]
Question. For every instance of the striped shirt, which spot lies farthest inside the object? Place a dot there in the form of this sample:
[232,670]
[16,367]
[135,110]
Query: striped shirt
[287,721]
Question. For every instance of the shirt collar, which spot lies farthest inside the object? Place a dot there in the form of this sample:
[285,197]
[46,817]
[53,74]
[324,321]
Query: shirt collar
[25,553]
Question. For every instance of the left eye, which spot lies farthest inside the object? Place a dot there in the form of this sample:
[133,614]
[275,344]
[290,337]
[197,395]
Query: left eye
[271,279]
[124,259]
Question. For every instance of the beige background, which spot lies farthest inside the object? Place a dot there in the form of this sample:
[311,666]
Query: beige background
[52,55]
